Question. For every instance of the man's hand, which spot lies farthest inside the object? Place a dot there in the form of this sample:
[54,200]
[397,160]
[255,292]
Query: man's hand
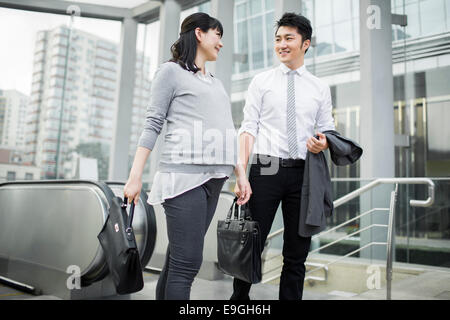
[315,146]
[242,190]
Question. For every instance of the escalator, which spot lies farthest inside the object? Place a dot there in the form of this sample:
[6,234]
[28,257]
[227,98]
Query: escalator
[48,233]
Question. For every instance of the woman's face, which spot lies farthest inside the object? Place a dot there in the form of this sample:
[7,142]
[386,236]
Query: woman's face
[209,43]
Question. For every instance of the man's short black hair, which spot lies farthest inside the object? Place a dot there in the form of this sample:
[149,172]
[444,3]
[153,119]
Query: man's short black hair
[303,25]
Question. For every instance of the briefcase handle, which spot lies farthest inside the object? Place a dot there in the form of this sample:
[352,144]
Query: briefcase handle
[237,211]
[129,228]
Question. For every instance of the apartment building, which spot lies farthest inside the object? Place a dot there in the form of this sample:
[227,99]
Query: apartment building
[76,72]
[13,108]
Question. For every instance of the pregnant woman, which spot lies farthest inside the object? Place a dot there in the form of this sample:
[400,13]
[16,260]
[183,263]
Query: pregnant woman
[199,152]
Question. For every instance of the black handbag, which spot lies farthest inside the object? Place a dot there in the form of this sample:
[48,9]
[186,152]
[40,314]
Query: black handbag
[119,244]
[239,245]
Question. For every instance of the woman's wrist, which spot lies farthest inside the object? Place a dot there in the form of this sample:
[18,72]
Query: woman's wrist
[135,176]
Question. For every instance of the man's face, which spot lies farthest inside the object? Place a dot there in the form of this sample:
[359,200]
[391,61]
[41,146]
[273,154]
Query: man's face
[288,45]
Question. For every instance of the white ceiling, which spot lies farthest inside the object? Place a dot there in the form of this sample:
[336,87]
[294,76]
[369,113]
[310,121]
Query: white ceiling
[129,4]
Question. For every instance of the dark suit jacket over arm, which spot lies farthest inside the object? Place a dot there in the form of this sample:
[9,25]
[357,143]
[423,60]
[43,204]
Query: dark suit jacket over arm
[316,199]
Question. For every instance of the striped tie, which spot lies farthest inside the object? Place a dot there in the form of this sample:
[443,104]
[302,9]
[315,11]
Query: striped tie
[291,116]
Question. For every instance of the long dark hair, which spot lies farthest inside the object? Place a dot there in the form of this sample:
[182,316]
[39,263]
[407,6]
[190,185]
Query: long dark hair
[184,49]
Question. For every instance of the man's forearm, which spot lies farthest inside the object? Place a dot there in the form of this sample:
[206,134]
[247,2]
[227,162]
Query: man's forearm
[246,141]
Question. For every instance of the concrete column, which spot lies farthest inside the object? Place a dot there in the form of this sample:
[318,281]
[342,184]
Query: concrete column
[223,67]
[118,160]
[281,7]
[169,17]
[377,93]
[376,116]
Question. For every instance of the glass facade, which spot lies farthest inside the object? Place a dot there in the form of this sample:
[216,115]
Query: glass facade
[335,24]
[420,96]
[421,107]
[254,32]
[425,17]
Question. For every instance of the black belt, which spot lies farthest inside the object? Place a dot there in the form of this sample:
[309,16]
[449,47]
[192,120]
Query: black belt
[285,163]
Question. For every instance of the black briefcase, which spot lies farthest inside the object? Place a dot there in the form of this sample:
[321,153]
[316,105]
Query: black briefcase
[119,244]
[239,245]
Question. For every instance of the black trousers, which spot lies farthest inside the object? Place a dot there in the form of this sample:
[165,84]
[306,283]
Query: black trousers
[284,186]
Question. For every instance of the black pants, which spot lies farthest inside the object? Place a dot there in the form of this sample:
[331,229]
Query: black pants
[268,191]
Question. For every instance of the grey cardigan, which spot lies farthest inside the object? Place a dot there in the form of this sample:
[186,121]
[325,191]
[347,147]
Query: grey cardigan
[200,136]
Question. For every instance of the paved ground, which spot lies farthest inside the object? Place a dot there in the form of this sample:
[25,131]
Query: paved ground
[433,284]
[430,285]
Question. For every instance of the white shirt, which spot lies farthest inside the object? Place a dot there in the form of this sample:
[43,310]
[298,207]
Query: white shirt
[266,106]
[168,185]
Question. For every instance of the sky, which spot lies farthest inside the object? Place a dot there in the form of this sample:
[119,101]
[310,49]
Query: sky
[18,31]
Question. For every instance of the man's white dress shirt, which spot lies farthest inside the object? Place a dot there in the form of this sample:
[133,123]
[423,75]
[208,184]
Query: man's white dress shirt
[266,107]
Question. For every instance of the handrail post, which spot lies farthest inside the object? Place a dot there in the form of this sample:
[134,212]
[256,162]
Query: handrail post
[390,242]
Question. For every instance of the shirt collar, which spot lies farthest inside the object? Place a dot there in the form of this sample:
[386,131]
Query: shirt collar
[207,77]
[203,76]
[286,69]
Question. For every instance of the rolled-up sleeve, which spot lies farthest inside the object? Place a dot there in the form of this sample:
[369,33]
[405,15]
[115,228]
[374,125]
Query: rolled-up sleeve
[162,92]
[324,118]
[252,110]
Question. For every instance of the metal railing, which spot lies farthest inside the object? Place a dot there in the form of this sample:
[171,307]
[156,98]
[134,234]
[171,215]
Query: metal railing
[390,226]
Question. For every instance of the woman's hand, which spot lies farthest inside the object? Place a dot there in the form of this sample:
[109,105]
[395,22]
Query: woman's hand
[132,189]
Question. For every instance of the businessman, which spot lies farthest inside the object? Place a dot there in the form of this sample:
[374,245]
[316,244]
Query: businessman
[286,107]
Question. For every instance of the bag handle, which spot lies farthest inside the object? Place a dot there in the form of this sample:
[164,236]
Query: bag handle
[231,209]
[246,209]
[129,228]
[237,211]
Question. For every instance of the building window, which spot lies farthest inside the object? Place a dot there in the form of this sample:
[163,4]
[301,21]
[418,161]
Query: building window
[28,176]
[334,24]
[251,41]
[10,176]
